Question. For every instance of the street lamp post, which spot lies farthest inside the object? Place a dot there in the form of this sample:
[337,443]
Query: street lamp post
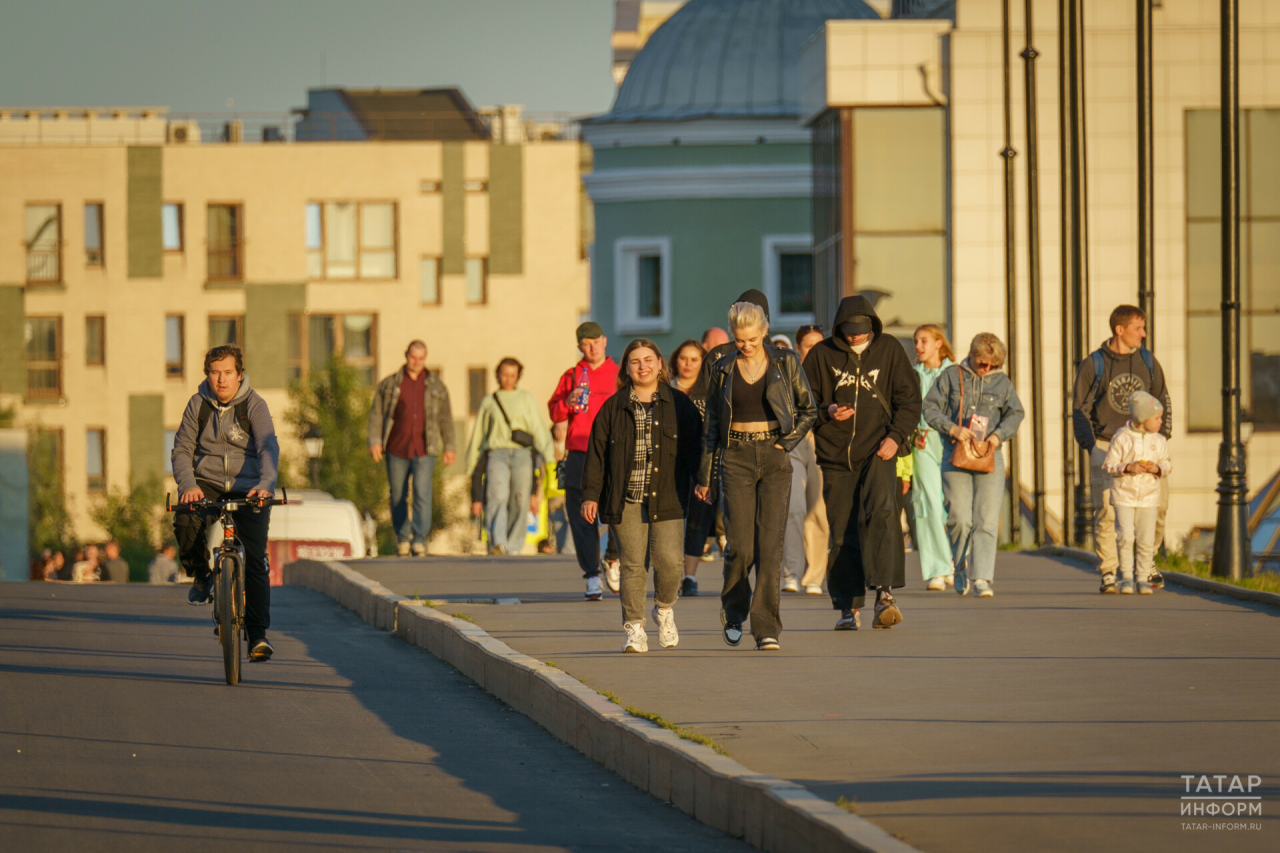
[1010,276]
[1033,278]
[1146,175]
[1231,557]
[1079,249]
[313,441]
[1065,224]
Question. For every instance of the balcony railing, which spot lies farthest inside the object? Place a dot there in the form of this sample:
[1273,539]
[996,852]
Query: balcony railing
[44,379]
[43,266]
[225,263]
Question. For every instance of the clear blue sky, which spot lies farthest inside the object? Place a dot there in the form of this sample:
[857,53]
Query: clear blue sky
[194,55]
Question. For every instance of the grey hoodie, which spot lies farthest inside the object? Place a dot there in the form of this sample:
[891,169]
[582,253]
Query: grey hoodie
[224,454]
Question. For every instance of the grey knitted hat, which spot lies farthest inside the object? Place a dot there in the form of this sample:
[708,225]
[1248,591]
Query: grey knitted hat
[1144,407]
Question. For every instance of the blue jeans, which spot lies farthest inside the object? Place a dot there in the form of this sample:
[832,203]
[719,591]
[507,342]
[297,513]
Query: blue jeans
[507,482]
[973,516]
[398,472]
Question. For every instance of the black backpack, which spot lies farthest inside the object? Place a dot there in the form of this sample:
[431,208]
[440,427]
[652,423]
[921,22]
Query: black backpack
[206,412]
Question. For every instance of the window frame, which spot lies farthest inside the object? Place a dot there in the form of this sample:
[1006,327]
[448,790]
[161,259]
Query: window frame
[102,335]
[299,368]
[626,254]
[237,248]
[60,344]
[439,300]
[92,487]
[772,248]
[182,227]
[176,369]
[101,262]
[473,402]
[168,444]
[45,282]
[484,279]
[359,203]
[238,319]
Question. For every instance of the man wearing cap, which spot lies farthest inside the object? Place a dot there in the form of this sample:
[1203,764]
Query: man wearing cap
[580,393]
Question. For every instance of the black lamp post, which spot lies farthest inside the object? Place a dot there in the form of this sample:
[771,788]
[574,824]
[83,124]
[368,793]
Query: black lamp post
[313,440]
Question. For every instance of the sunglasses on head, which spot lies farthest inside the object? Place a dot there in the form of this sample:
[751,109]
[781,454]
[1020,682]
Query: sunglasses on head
[804,330]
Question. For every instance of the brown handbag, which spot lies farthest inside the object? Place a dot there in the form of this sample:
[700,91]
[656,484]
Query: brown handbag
[970,455]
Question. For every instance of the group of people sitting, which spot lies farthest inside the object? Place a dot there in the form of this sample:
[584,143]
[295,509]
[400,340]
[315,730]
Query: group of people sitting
[92,564]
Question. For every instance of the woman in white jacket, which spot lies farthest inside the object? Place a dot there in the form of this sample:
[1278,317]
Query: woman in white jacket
[1137,461]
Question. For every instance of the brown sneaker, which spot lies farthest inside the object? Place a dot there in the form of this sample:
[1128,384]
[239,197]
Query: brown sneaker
[887,612]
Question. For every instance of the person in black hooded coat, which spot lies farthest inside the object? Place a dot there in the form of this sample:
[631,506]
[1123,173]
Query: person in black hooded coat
[868,401]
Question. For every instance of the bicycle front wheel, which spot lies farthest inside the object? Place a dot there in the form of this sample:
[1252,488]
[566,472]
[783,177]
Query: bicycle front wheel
[225,598]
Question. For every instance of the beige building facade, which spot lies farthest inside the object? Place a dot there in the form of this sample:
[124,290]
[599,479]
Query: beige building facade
[123,263]
[923,100]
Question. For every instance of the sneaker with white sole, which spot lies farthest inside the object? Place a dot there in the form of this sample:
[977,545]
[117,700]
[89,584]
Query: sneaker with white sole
[668,636]
[1155,580]
[1108,585]
[612,570]
[418,549]
[950,580]
[733,633]
[1144,588]
[962,582]
[594,591]
[790,584]
[260,650]
[767,644]
[813,589]
[637,639]
[1127,587]
[887,612]
[850,620]
[982,589]
[936,584]
[402,549]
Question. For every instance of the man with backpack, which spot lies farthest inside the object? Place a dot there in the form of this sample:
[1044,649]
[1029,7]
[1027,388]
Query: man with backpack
[227,444]
[1106,380]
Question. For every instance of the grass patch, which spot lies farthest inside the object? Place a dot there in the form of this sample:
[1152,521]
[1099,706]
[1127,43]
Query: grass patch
[680,731]
[552,663]
[463,617]
[608,694]
[1263,582]
[849,805]
[425,602]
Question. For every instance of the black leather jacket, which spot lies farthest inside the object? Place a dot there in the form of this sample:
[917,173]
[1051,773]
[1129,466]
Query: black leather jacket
[786,390]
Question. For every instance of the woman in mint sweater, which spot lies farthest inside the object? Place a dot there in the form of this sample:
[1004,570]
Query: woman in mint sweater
[933,355]
[509,465]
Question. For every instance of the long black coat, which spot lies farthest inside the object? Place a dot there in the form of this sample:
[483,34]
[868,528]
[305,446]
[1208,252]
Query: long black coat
[677,440]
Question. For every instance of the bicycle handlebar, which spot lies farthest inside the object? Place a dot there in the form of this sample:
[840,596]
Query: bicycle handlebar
[228,503]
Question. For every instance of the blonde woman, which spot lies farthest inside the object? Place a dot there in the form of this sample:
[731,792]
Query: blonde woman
[758,409]
[933,355]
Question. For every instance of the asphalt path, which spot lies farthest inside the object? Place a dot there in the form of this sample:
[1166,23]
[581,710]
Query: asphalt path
[1047,718]
[118,732]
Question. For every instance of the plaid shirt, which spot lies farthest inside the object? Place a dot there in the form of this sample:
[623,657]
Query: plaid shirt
[638,483]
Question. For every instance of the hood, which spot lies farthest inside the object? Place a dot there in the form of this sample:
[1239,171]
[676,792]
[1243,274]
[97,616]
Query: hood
[852,306]
[206,391]
[755,297]
[1108,352]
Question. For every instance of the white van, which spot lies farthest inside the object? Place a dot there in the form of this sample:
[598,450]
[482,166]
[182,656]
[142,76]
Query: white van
[316,527]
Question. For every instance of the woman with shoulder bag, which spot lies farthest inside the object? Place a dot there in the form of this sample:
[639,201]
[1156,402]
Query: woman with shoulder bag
[978,409]
[508,425]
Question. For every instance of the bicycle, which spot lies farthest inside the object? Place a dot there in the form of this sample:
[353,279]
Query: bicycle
[228,573]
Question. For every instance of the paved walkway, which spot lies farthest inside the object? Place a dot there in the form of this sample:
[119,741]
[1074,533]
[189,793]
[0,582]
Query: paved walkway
[118,732]
[1046,718]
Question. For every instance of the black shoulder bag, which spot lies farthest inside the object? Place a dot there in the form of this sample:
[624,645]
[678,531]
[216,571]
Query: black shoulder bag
[519,436]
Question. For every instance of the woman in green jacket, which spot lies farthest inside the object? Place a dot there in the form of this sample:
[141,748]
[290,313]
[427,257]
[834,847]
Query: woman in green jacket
[933,355]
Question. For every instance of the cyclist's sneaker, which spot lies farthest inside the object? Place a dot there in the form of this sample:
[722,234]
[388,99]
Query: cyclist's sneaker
[637,640]
[1155,579]
[1108,584]
[419,549]
[850,620]
[668,637]
[733,633]
[689,586]
[767,644]
[887,612]
[201,590]
[260,650]
[594,591]
[612,570]
[402,549]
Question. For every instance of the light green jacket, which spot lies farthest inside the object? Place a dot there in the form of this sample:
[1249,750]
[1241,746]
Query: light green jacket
[492,433]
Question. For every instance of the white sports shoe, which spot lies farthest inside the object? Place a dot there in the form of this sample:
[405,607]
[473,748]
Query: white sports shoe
[668,636]
[813,589]
[983,589]
[594,591]
[612,574]
[936,584]
[790,585]
[637,639]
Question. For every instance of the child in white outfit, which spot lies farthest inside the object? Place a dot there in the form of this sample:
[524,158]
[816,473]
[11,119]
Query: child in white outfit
[1137,459]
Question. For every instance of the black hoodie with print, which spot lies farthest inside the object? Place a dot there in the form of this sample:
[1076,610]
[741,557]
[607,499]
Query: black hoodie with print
[882,374]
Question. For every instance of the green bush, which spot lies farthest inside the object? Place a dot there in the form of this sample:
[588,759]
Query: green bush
[131,518]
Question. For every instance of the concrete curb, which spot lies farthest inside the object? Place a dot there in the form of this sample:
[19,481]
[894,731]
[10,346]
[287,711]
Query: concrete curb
[1199,584]
[769,813]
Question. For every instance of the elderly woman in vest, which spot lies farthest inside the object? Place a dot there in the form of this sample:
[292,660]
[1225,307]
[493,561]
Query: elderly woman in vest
[758,409]
[977,408]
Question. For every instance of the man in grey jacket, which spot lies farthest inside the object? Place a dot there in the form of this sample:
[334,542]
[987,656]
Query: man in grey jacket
[227,445]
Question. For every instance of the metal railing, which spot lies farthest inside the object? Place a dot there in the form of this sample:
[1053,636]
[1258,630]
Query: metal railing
[225,263]
[44,266]
[44,379]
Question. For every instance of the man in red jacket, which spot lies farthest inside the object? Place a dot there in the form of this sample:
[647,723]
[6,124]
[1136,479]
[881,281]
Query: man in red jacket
[580,393]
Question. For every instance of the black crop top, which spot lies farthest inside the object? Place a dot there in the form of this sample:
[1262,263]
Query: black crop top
[749,404]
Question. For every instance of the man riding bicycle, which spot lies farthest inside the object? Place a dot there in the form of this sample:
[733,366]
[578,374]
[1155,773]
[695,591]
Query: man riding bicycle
[227,445]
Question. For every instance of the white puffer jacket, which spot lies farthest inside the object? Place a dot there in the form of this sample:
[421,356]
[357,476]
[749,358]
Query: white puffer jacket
[1132,443]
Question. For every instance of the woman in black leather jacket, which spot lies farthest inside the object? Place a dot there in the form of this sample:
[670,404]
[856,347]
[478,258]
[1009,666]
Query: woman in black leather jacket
[758,408]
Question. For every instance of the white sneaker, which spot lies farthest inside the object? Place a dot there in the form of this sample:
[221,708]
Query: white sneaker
[419,549]
[402,549]
[594,590]
[612,574]
[668,636]
[950,580]
[983,589]
[813,589]
[637,639]
[790,585]
[936,584]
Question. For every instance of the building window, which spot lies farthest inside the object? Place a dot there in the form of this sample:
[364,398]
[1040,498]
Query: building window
[429,280]
[477,281]
[169,436]
[44,243]
[788,279]
[93,234]
[171,226]
[314,339]
[95,340]
[95,459]
[44,357]
[475,186]
[1259,269]
[225,229]
[226,330]
[174,345]
[642,284]
[351,240]
[477,388]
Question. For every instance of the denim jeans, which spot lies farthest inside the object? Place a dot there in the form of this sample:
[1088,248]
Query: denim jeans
[973,517]
[507,481]
[1136,528]
[398,472]
[586,536]
[642,543]
[755,488]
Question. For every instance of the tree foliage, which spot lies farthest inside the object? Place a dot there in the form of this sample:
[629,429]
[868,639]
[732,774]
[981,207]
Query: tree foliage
[132,518]
[49,522]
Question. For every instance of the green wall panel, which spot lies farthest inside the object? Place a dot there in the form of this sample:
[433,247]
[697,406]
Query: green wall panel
[670,156]
[146,437]
[146,248]
[506,209]
[13,356]
[453,196]
[266,331]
